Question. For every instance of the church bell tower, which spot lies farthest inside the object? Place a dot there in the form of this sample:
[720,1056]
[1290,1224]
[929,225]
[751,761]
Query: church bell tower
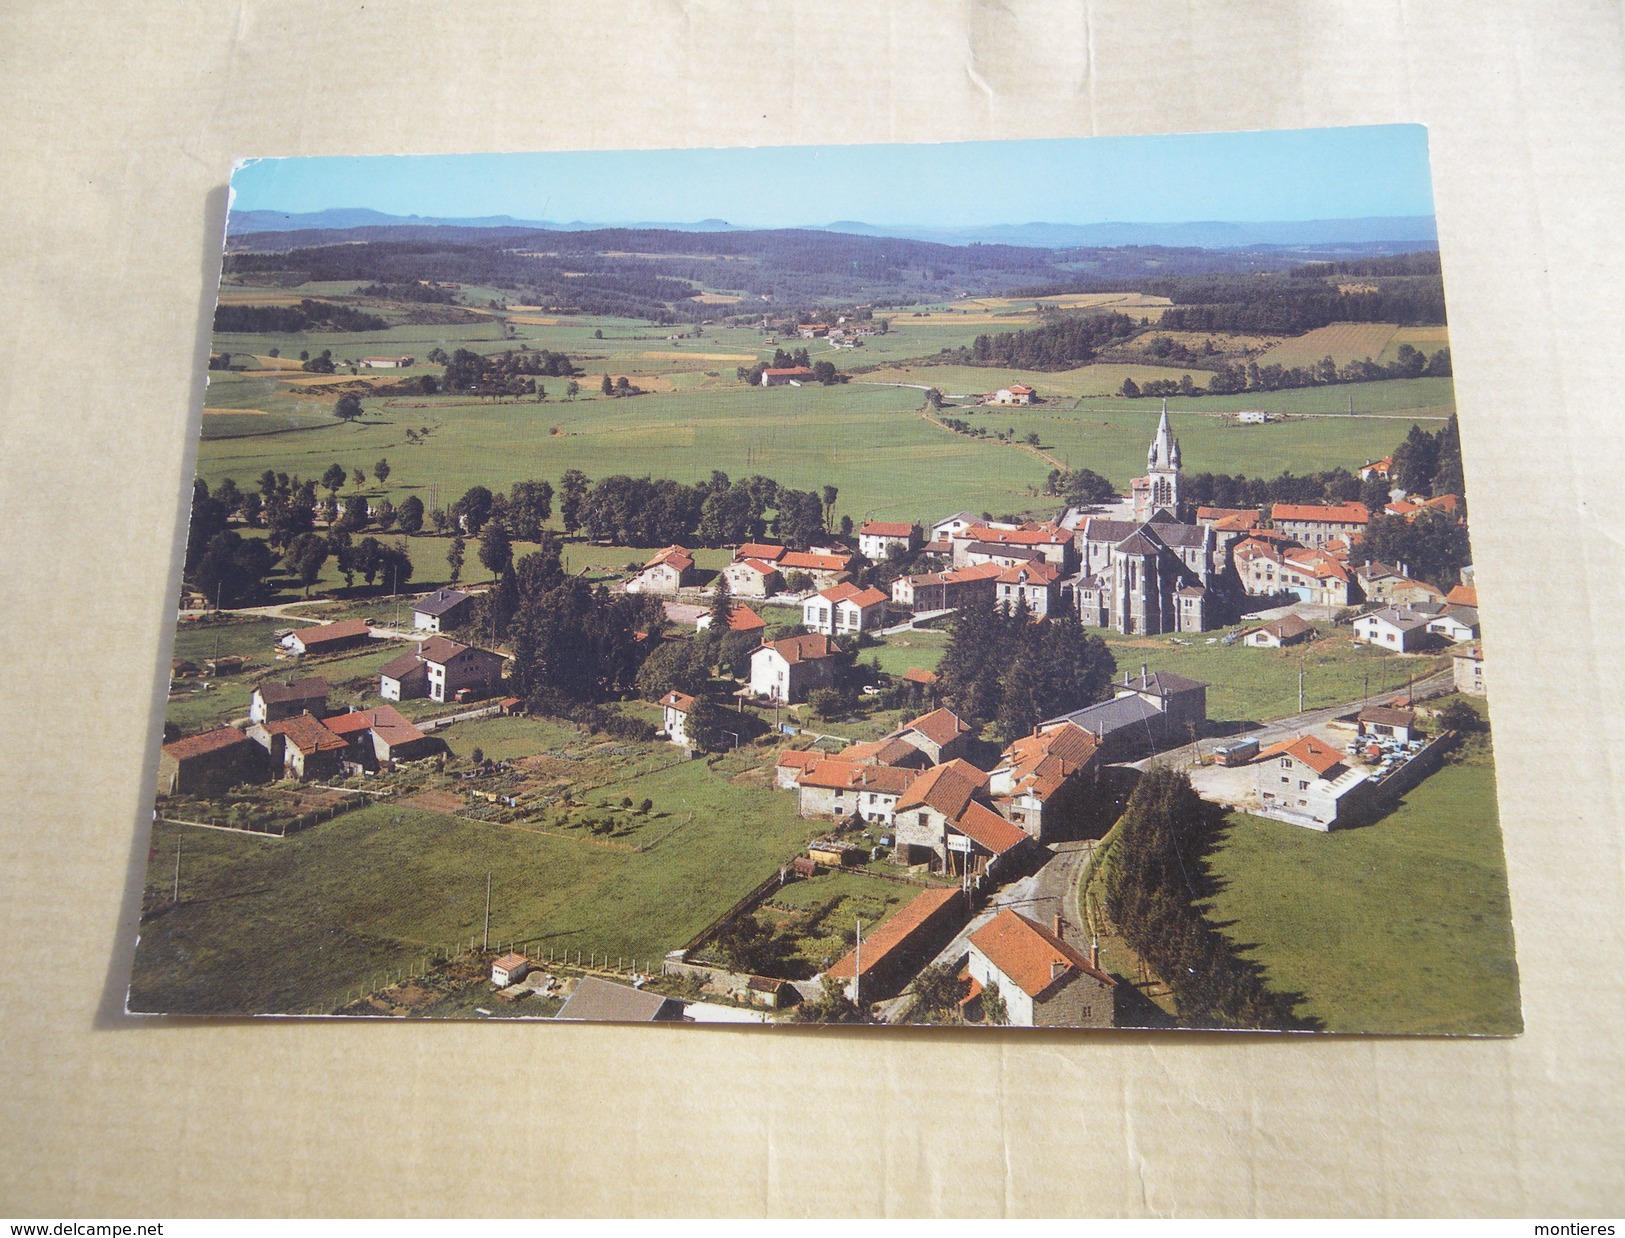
[1162,469]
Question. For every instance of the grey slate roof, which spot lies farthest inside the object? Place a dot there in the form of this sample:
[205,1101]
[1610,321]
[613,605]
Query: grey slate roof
[273,693]
[440,601]
[1163,683]
[1003,552]
[1109,717]
[600,1001]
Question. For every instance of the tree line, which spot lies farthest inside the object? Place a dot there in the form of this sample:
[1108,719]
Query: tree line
[1233,378]
[1071,341]
[308,315]
[1157,880]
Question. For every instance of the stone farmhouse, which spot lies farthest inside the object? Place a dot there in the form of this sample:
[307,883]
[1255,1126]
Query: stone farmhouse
[1041,778]
[271,702]
[1037,586]
[752,578]
[301,747]
[669,571]
[876,538]
[440,668]
[208,762]
[1393,586]
[1014,394]
[1307,782]
[1043,981]
[441,611]
[787,376]
[843,609]
[840,789]
[1468,665]
[943,821]
[786,670]
[1048,541]
[964,586]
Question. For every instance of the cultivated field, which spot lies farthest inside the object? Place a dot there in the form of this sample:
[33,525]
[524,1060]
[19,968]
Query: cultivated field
[1343,342]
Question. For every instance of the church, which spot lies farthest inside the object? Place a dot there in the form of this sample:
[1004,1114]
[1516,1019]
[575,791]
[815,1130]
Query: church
[1153,573]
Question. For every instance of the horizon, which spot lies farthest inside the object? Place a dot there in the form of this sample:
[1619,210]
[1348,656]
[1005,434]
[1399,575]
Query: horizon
[1275,176]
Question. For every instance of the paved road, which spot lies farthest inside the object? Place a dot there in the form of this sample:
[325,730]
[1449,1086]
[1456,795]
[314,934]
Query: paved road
[914,622]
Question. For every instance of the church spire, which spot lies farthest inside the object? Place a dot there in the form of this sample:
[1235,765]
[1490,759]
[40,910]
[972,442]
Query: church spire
[1164,451]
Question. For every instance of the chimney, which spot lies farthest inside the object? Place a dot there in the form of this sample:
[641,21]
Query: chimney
[1057,968]
[1094,954]
[1125,679]
[1145,671]
[1059,925]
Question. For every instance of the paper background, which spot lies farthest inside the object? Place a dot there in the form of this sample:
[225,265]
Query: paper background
[119,127]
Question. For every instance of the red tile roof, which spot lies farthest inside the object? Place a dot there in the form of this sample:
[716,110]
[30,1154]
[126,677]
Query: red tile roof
[756,565]
[744,619]
[803,561]
[983,826]
[836,773]
[343,630]
[947,788]
[887,528]
[889,750]
[940,726]
[1031,956]
[201,745]
[1042,535]
[1313,751]
[894,934]
[386,722]
[915,674]
[1340,513]
[808,648]
[760,550]
[677,700]
[510,961]
[794,758]
[1040,764]
[1038,573]
[1463,595]
[790,371]
[677,556]
[308,734]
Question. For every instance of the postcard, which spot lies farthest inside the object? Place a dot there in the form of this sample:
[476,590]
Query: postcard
[978,584]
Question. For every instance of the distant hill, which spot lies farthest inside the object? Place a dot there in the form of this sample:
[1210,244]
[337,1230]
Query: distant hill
[1388,231]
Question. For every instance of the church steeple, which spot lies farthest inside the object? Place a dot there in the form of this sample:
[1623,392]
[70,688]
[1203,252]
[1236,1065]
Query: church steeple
[1162,467]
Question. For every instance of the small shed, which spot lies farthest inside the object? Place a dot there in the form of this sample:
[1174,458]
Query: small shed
[1386,722]
[510,968]
[767,991]
[805,866]
[831,853]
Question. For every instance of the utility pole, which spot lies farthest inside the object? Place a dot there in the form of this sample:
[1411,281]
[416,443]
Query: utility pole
[857,970]
[1300,689]
[175,896]
[487,944]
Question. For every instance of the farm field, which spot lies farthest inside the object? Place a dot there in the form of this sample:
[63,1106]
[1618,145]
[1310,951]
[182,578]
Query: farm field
[817,917]
[972,380]
[1402,925]
[1110,437]
[1260,685]
[291,925]
[353,676]
[1343,342]
[889,462]
[1424,339]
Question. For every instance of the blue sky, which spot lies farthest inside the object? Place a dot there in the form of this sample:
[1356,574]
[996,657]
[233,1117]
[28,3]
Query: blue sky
[1276,175]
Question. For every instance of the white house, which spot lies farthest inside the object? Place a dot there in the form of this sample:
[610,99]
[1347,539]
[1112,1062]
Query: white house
[439,668]
[788,669]
[1307,782]
[752,578]
[675,706]
[844,608]
[877,537]
[667,572]
[1287,630]
[1458,624]
[510,968]
[1469,669]
[441,610]
[1395,627]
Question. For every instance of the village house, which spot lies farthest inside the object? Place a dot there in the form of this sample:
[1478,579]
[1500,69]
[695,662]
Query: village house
[1041,778]
[844,608]
[1410,509]
[1314,524]
[812,330]
[942,822]
[1315,576]
[876,539]
[839,789]
[791,763]
[787,376]
[941,734]
[1462,595]
[752,578]
[1468,667]
[378,738]
[1377,468]
[1053,544]
[1014,394]
[211,761]
[670,570]
[329,637]
[945,530]
[1278,633]
[441,611]
[740,619]
[890,749]
[1157,710]
[440,668]
[887,958]
[1399,628]
[300,747]
[1393,586]
[1458,624]
[786,670]
[963,586]
[675,707]
[273,701]
[1004,556]
[825,567]
[1037,585]
[385,363]
[1307,782]
[1042,981]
